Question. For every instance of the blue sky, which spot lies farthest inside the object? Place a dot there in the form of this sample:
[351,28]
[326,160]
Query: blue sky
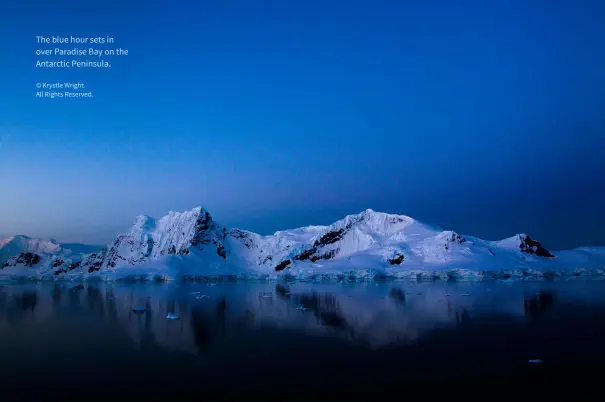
[486,117]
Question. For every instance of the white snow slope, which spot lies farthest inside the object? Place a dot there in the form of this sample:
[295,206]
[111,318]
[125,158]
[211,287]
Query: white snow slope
[369,245]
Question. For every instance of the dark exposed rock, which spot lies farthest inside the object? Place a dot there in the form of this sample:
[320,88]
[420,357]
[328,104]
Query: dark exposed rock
[282,265]
[311,254]
[220,250]
[329,238]
[456,238]
[95,262]
[530,246]
[28,259]
[305,255]
[183,250]
[70,267]
[398,259]
[325,256]
[172,249]
[243,236]
[58,263]
[202,225]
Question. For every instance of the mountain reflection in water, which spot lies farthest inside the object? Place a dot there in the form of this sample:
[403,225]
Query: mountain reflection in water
[69,338]
[374,315]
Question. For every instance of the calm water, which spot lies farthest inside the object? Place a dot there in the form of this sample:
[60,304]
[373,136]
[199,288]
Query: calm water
[302,338]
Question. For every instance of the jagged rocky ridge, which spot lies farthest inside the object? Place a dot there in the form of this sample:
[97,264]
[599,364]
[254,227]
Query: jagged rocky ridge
[365,245]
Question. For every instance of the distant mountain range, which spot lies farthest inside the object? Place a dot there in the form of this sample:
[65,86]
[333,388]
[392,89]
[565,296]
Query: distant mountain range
[15,245]
[190,245]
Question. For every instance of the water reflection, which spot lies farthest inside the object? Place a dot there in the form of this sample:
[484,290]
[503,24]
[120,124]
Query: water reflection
[398,294]
[373,314]
[26,301]
[202,329]
[221,308]
[537,305]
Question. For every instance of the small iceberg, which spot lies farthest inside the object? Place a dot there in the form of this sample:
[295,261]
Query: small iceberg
[301,308]
[465,294]
[195,293]
[202,297]
[139,309]
[266,295]
[535,361]
[172,316]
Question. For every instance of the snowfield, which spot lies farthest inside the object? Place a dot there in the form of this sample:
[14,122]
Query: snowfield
[369,245]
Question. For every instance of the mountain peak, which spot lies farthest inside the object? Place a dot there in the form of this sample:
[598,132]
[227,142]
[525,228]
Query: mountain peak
[142,224]
[524,243]
[192,243]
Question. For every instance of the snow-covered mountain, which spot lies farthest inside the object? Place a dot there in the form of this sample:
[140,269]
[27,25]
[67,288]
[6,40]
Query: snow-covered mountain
[12,246]
[366,245]
[37,253]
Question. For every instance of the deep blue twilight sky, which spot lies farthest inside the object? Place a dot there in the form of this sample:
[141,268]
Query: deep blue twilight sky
[486,117]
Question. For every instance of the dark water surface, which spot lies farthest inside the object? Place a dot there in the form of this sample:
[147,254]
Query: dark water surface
[457,339]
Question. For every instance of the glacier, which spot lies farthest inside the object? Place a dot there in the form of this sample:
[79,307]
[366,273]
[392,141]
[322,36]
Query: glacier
[369,245]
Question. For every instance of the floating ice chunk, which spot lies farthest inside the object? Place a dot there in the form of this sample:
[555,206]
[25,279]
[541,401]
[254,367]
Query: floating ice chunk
[139,309]
[301,308]
[171,316]
[419,294]
[211,285]
[195,293]
[465,294]
[535,361]
[266,295]
[202,297]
